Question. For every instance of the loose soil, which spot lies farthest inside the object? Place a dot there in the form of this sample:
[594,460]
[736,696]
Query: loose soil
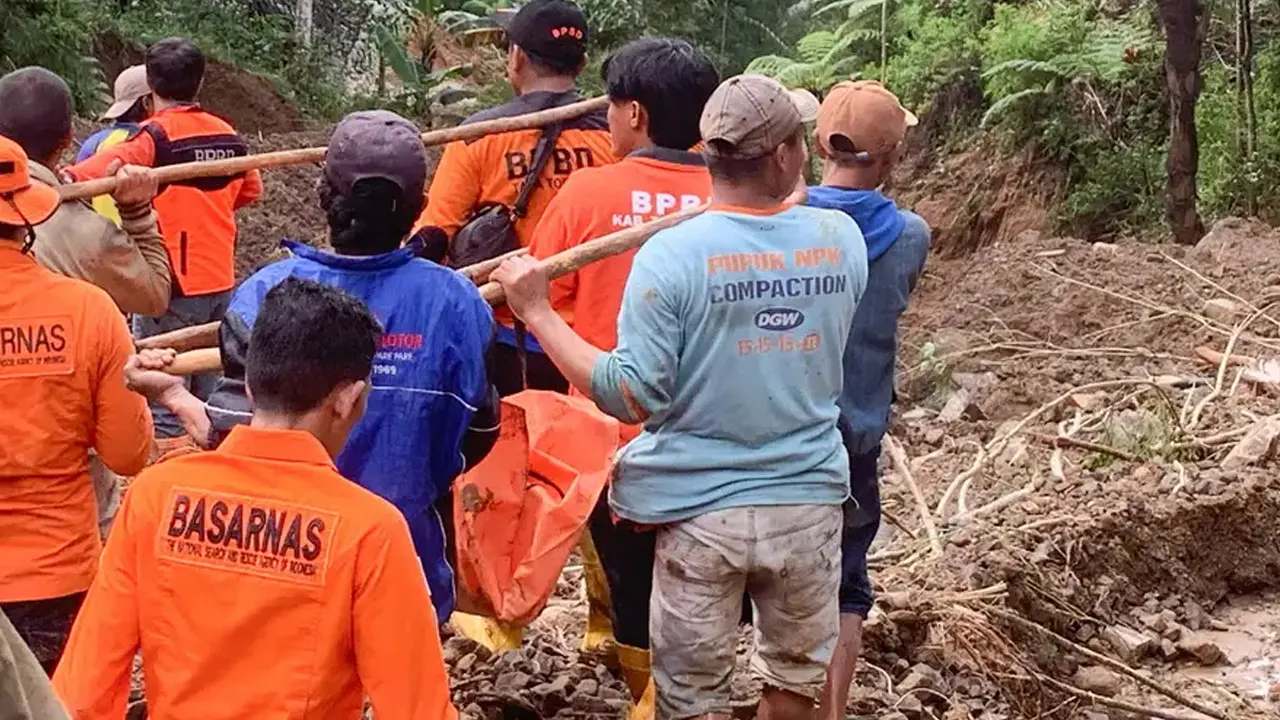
[248,101]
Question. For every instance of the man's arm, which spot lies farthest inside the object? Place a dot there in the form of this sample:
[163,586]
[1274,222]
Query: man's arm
[122,434]
[93,677]
[137,150]
[229,403]
[250,189]
[134,270]
[145,374]
[402,679]
[454,193]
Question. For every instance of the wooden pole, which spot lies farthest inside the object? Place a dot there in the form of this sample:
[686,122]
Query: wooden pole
[206,335]
[262,161]
[558,265]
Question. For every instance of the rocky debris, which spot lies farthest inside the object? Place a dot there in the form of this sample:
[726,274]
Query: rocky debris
[539,680]
[1257,445]
[960,405]
[923,677]
[1129,644]
[1220,309]
[1097,679]
[1200,647]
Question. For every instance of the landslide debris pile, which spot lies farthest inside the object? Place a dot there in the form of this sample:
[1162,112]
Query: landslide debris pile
[1078,476]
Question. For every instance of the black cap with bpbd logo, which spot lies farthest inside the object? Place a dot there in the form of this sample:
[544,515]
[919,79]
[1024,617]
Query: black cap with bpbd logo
[554,31]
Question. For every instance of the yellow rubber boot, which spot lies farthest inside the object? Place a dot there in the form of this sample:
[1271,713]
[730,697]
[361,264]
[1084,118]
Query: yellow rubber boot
[644,709]
[599,635]
[634,663]
[495,635]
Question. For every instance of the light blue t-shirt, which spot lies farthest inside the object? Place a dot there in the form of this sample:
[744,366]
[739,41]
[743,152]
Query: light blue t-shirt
[730,347]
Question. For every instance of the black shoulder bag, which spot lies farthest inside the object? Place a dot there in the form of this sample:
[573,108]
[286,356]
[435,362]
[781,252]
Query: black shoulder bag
[491,231]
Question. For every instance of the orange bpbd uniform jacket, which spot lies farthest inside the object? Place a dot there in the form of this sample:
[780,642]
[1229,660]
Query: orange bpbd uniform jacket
[197,217]
[472,175]
[63,347]
[258,583]
[645,185]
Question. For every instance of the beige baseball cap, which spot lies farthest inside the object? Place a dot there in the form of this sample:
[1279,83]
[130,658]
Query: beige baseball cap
[749,116]
[862,117]
[131,84]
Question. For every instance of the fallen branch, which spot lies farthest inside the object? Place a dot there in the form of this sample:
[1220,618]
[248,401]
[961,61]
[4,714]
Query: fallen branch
[1109,662]
[1117,704]
[1060,440]
[904,469]
[262,161]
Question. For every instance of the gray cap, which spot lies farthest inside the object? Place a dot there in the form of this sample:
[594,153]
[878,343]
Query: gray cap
[749,116]
[376,144]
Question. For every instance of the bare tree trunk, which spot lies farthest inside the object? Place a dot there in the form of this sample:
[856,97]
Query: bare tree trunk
[304,14]
[1183,40]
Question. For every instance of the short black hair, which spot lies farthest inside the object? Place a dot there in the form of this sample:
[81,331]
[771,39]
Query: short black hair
[375,218]
[35,111]
[736,171]
[175,69]
[308,339]
[670,78]
[546,67]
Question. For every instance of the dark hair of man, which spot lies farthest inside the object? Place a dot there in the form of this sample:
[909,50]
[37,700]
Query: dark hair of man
[308,339]
[175,68]
[743,172]
[670,78]
[547,67]
[10,232]
[35,111]
[375,218]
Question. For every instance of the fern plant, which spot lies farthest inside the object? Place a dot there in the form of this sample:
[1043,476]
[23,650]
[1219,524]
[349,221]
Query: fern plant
[822,58]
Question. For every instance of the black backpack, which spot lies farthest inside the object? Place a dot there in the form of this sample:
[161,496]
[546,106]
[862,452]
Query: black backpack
[491,231]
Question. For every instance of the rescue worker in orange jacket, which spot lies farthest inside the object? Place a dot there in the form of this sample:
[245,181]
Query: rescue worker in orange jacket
[196,216]
[656,87]
[547,51]
[255,579]
[63,349]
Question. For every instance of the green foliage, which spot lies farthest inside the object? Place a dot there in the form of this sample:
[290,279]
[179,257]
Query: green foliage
[823,58]
[417,81]
[56,34]
[930,46]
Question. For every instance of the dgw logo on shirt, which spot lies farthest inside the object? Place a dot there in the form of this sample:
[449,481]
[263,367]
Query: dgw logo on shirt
[779,319]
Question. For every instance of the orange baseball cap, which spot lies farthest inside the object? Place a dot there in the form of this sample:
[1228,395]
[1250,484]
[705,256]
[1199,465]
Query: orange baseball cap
[22,202]
[862,117]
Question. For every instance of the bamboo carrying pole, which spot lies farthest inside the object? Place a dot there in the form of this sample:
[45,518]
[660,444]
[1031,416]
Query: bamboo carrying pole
[235,166]
[558,265]
[206,335]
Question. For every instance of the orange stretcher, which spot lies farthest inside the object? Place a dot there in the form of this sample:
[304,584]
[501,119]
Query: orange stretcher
[519,513]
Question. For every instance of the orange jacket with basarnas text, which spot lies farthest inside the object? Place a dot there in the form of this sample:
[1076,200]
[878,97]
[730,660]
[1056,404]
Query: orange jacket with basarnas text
[63,347]
[257,583]
[197,217]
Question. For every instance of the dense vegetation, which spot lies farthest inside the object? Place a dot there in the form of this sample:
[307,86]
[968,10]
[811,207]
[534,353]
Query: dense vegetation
[1084,85]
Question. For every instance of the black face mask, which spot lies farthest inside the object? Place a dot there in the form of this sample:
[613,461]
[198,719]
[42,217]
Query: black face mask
[31,230]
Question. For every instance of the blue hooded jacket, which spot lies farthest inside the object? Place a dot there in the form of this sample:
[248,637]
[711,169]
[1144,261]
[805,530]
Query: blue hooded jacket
[428,380]
[897,247]
[877,216]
